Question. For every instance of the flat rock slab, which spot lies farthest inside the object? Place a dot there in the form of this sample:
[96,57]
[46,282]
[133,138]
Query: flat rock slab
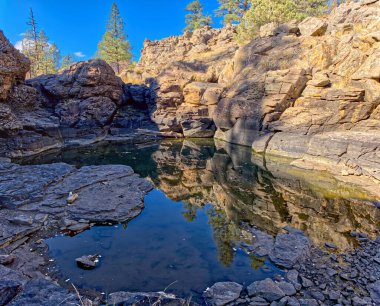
[110,193]
[222,293]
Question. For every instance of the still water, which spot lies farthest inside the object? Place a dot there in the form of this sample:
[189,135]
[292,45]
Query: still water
[189,234]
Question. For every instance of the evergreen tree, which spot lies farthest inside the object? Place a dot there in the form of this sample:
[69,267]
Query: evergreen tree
[30,46]
[52,59]
[67,61]
[196,19]
[43,56]
[232,11]
[280,11]
[114,47]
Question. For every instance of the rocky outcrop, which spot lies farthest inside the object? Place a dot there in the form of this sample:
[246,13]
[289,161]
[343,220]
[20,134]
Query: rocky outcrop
[80,105]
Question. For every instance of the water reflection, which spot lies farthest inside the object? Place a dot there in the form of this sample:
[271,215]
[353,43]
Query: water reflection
[244,187]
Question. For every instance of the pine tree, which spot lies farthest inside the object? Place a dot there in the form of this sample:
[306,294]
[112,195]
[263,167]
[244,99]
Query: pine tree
[30,46]
[67,61]
[196,19]
[43,56]
[114,47]
[52,59]
[280,11]
[232,11]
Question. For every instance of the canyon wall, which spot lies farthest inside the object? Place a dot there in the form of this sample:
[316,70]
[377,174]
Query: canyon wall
[308,91]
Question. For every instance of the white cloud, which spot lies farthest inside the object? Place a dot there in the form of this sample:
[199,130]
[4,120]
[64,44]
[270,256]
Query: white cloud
[22,34]
[18,45]
[79,54]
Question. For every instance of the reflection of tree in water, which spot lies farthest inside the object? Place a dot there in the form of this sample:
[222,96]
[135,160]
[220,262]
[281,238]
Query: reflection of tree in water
[190,211]
[225,234]
[256,262]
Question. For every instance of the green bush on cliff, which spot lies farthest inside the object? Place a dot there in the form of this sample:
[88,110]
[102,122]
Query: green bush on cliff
[265,11]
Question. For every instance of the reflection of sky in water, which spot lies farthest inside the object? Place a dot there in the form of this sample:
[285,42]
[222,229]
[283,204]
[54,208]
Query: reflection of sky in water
[169,242]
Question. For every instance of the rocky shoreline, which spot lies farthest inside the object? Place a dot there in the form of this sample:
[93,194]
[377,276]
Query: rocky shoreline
[313,274]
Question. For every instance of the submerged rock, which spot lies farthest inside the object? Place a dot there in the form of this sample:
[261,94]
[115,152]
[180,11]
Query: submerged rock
[87,262]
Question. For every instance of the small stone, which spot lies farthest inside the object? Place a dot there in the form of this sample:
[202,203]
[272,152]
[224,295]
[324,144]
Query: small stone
[334,295]
[331,272]
[266,289]
[308,302]
[287,288]
[292,276]
[258,301]
[377,260]
[306,282]
[72,198]
[318,295]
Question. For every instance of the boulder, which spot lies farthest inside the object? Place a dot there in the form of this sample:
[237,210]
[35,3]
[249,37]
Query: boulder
[266,289]
[222,293]
[290,249]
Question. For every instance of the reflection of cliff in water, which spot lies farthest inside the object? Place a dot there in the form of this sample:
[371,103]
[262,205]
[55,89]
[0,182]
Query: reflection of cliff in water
[242,187]
[269,195]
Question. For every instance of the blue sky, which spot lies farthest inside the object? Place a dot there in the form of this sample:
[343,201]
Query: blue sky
[78,25]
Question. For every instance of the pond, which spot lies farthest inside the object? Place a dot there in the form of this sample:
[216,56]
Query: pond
[189,235]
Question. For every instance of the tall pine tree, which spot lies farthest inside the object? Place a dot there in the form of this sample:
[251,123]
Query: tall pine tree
[44,56]
[196,19]
[114,47]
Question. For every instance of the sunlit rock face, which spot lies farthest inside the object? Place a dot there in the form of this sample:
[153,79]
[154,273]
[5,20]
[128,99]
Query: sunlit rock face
[183,74]
[270,195]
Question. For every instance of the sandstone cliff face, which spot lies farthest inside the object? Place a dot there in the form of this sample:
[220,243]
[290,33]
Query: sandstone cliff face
[309,91]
